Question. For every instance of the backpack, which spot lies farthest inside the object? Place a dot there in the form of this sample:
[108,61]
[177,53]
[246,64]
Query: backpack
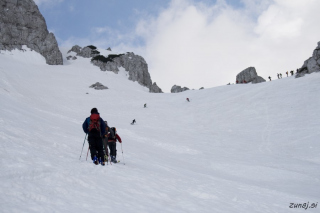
[94,124]
[113,132]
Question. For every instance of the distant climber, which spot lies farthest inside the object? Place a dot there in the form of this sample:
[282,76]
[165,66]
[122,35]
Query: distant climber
[280,75]
[287,73]
[269,78]
[134,121]
[145,105]
[188,100]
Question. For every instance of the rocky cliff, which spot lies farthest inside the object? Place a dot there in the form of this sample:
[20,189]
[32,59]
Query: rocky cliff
[176,89]
[249,75]
[21,23]
[135,65]
[312,64]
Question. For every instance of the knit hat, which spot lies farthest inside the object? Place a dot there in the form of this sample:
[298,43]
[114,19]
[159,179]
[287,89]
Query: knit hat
[94,110]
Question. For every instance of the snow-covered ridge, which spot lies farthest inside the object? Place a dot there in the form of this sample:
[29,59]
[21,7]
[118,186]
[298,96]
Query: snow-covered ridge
[236,148]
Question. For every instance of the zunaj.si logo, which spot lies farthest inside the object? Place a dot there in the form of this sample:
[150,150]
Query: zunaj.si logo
[303,205]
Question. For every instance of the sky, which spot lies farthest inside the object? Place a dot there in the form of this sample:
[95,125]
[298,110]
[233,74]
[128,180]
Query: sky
[193,43]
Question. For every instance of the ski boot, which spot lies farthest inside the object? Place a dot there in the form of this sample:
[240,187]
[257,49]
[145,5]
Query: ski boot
[113,159]
[101,162]
[95,160]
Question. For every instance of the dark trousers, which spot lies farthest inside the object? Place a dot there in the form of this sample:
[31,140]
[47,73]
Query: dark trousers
[96,147]
[113,148]
[105,145]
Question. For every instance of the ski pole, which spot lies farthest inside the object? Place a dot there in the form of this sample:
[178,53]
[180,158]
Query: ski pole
[122,154]
[83,145]
[87,154]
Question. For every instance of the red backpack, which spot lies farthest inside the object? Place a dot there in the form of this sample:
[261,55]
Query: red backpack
[94,124]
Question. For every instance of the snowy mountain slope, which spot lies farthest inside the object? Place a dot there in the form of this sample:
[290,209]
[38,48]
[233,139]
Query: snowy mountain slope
[236,148]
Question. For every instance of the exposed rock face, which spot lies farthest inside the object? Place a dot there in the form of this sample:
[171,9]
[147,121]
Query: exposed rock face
[155,89]
[135,65]
[249,75]
[87,52]
[21,23]
[98,86]
[71,57]
[76,49]
[176,89]
[312,64]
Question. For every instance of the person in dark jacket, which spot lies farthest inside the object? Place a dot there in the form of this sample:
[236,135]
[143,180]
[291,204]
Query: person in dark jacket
[95,127]
[113,137]
[134,120]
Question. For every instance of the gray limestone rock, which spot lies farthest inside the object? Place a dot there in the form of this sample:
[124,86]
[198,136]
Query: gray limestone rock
[249,75]
[201,88]
[312,64]
[135,65]
[155,89]
[176,89]
[76,49]
[258,79]
[21,23]
[88,52]
[98,86]
[109,49]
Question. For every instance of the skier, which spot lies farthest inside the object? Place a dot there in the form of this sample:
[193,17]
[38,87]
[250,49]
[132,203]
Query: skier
[269,78]
[145,105]
[94,126]
[291,72]
[188,99]
[280,75]
[105,142]
[287,73]
[113,137]
[134,121]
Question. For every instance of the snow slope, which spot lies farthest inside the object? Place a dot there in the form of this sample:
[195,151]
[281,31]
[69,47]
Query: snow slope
[237,148]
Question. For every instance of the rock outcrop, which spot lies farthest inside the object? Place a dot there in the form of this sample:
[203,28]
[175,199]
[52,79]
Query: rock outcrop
[21,23]
[135,65]
[76,49]
[88,52]
[155,89]
[98,86]
[176,89]
[249,75]
[312,64]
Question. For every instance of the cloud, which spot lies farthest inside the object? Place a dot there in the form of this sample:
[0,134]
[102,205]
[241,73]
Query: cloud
[196,44]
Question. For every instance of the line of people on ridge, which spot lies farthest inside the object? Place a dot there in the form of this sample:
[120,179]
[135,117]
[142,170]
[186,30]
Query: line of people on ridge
[100,137]
[278,74]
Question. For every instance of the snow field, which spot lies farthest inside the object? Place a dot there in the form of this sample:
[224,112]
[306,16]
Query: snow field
[243,148]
